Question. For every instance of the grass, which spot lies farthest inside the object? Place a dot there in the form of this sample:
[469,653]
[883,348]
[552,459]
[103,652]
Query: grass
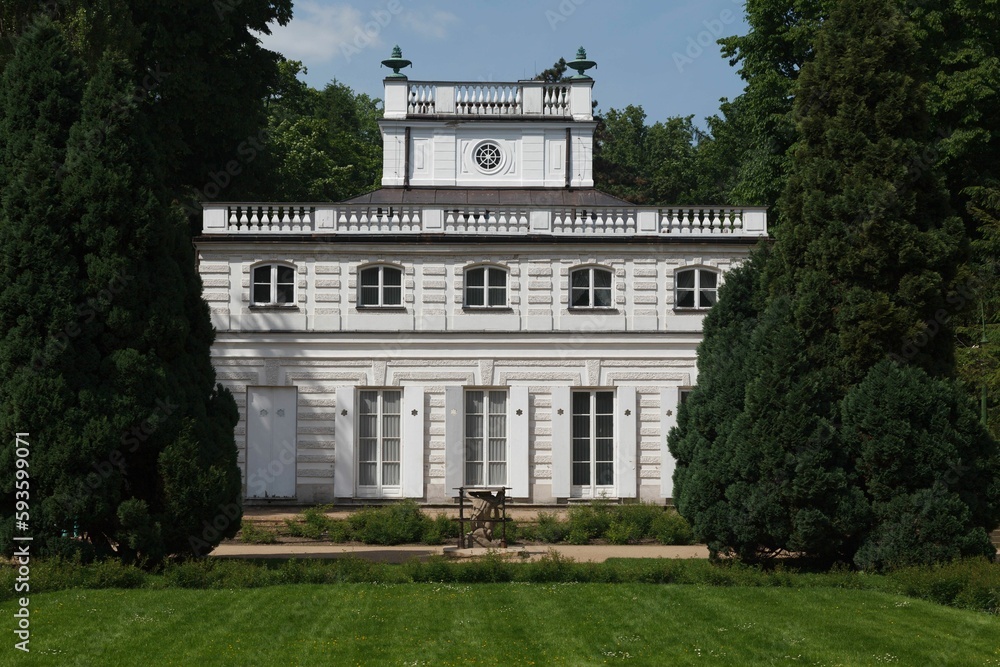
[502,624]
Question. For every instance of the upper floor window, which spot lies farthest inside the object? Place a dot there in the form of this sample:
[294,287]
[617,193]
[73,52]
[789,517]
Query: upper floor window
[486,287]
[380,287]
[696,288]
[489,157]
[273,285]
[590,288]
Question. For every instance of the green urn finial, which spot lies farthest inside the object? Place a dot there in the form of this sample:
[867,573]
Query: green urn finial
[581,64]
[396,63]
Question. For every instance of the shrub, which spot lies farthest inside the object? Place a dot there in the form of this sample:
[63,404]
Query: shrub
[251,534]
[640,515]
[671,528]
[490,569]
[624,532]
[971,583]
[314,524]
[399,523]
[578,536]
[439,530]
[550,528]
[552,567]
[590,520]
[339,531]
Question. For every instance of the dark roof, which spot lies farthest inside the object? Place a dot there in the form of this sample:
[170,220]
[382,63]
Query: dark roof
[490,197]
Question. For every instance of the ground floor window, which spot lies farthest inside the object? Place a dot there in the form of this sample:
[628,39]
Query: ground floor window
[485,438]
[593,440]
[379,441]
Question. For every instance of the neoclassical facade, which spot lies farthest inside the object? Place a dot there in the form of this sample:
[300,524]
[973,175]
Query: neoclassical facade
[487,318]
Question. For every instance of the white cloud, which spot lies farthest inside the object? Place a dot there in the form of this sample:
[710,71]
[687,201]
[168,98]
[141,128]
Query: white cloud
[432,25]
[320,32]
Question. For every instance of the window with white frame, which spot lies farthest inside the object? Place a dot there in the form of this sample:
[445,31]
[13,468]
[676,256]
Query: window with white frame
[593,440]
[590,287]
[486,287]
[485,438]
[380,287]
[273,285]
[696,288]
[379,440]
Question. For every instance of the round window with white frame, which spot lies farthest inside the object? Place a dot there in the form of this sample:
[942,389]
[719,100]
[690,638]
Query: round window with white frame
[489,157]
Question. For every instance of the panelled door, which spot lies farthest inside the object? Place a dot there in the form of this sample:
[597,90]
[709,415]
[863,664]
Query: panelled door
[271,432]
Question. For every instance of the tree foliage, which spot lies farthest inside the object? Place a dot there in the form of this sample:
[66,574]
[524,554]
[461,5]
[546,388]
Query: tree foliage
[105,348]
[200,75]
[322,145]
[861,270]
[662,163]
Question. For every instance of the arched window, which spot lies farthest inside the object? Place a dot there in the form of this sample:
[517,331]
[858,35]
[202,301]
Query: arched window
[486,287]
[696,288]
[380,287]
[590,287]
[273,285]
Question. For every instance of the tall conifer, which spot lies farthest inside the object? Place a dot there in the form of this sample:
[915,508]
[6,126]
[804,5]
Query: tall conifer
[133,445]
[861,271]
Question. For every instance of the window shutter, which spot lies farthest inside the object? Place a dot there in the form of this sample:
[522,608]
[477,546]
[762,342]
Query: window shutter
[626,442]
[413,442]
[454,437]
[561,435]
[343,467]
[670,402]
[518,449]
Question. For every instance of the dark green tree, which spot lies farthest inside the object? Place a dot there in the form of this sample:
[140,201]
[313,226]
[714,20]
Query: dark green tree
[106,354]
[705,464]
[322,145]
[200,74]
[860,271]
[931,470]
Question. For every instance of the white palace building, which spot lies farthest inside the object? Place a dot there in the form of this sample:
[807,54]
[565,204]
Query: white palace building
[487,318]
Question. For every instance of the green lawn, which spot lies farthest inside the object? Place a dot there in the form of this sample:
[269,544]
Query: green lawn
[500,624]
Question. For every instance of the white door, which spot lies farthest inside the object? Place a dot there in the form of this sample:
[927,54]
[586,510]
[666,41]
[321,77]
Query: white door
[271,430]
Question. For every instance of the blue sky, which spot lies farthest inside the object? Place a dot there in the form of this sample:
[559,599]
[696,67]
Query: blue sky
[661,55]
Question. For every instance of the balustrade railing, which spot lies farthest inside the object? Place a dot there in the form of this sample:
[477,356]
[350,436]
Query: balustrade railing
[250,218]
[269,218]
[489,99]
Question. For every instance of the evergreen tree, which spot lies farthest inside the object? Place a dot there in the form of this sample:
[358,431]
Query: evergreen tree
[40,95]
[133,441]
[929,467]
[860,271]
[705,421]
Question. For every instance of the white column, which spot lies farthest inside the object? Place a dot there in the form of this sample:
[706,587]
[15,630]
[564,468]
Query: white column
[669,403]
[626,442]
[413,442]
[343,468]
[518,453]
[454,440]
[561,458]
